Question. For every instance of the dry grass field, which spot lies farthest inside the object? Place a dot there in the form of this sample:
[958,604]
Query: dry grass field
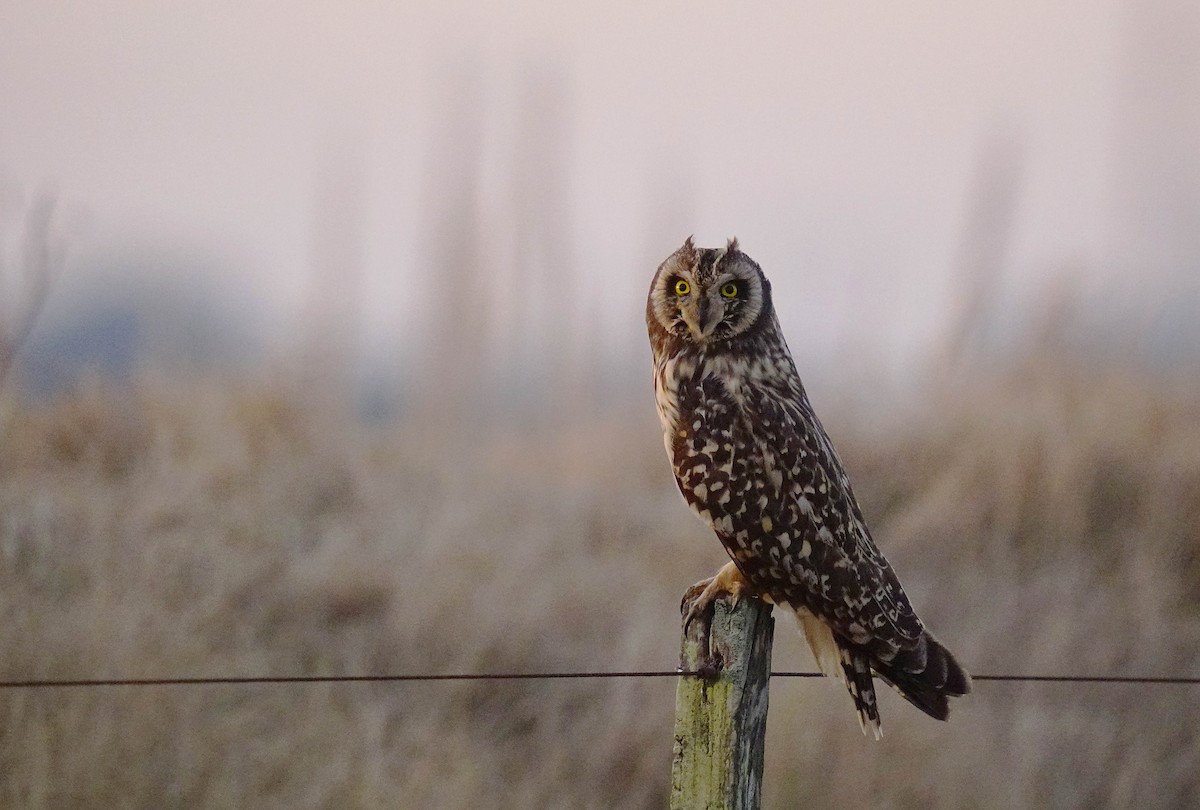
[1044,515]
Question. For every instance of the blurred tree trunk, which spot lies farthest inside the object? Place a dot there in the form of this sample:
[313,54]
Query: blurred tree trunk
[333,312]
[25,287]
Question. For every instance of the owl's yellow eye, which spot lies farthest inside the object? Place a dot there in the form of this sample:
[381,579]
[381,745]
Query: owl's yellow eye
[729,290]
[682,287]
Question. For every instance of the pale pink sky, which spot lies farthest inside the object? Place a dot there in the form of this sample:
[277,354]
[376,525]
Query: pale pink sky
[839,141]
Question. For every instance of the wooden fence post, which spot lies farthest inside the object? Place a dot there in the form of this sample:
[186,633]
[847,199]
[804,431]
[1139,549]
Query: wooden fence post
[721,722]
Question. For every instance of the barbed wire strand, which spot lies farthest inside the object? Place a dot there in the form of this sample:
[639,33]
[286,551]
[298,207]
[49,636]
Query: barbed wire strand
[527,676]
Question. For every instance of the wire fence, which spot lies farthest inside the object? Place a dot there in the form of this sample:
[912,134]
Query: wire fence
[531,676]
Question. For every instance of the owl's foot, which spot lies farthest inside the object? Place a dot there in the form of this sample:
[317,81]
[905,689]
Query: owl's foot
[699,599]
[698,603]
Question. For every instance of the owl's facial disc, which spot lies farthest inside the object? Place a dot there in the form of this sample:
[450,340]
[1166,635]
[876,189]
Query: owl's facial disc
[705,296]
[715,306]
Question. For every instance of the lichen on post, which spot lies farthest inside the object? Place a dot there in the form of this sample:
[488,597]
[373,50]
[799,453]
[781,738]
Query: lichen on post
[721,715]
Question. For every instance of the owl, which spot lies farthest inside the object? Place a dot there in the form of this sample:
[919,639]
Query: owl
[754,462]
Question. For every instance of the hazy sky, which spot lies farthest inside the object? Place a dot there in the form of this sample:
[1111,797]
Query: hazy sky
[841,142]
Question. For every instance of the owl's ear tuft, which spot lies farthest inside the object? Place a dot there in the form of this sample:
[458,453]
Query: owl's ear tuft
[688,251]
[731,245]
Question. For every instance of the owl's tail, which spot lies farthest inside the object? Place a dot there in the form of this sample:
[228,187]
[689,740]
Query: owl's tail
[927,675]
[856,672]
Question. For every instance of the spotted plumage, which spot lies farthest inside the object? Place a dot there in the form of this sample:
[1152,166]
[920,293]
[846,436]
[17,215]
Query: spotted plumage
[752,459]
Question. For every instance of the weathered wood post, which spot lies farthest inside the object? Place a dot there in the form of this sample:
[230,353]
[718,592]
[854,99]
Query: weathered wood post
[721,721]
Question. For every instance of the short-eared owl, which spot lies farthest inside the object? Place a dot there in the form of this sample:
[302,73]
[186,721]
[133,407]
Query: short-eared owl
[753,461]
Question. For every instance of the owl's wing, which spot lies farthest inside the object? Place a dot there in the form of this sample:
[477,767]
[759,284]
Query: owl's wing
[794,528]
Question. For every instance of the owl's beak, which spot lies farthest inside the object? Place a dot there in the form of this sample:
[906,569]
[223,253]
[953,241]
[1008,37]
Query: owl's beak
[701,317]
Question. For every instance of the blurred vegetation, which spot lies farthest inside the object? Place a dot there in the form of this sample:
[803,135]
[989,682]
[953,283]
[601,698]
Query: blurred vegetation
[509,506]
[1037,488]
[1044,514]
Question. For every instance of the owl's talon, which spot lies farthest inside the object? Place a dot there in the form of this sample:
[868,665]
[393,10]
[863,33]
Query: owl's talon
[698,611]
[699,599]
[696,602]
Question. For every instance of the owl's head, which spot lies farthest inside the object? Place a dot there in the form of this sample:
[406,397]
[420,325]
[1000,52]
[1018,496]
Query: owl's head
[707,296]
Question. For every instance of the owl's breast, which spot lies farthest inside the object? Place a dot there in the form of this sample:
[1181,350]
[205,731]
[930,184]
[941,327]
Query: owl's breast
[700,394]
[730,447]
[703,423]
